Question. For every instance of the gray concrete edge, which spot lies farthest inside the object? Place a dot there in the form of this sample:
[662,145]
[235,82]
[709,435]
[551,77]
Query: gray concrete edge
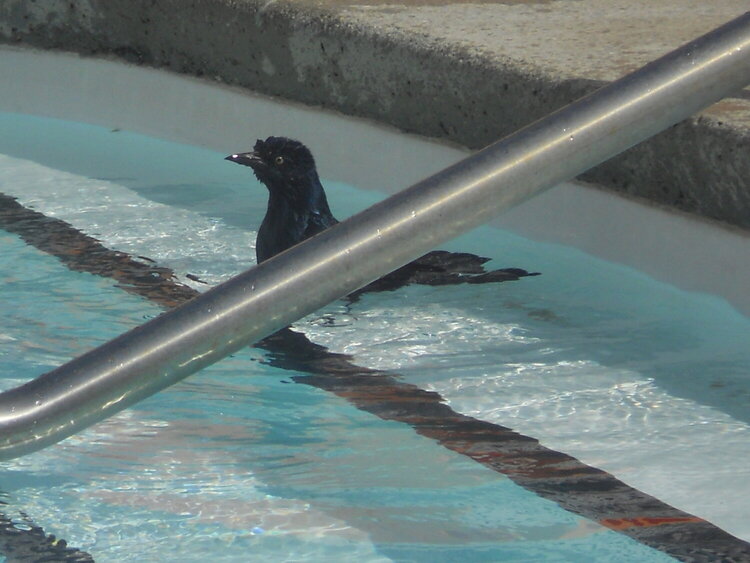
[318,56]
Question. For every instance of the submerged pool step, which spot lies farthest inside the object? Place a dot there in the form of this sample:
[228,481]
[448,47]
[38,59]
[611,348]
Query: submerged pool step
[579,488]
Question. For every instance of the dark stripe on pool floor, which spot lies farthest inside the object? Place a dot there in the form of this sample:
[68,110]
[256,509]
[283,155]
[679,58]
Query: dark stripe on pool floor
[24,542]
[573,485]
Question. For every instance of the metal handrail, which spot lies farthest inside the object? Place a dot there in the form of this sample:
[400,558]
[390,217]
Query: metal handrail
[382,238]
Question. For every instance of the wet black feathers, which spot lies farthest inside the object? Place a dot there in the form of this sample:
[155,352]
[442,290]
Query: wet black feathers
[298,209]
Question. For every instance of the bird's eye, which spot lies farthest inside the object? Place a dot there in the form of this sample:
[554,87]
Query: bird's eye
[279,160]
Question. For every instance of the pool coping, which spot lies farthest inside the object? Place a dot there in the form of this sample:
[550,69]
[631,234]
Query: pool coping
[463,73]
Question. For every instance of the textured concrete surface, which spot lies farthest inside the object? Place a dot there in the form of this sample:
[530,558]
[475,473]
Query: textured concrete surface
[468,73]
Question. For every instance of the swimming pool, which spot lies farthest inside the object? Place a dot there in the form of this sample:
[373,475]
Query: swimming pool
[238,459]
[193,189]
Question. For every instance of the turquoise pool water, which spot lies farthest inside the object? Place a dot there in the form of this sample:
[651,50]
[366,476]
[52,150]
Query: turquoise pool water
[593,358]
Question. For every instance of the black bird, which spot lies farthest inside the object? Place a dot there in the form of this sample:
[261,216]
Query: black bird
[298,209]
[297,204]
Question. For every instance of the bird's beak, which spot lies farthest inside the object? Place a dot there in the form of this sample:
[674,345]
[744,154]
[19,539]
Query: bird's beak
[250,159]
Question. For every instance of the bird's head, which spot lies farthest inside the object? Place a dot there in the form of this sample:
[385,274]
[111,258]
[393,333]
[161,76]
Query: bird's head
[281,164]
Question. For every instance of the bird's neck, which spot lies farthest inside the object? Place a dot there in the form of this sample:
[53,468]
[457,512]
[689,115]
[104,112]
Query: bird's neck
[290,211]
[300,196]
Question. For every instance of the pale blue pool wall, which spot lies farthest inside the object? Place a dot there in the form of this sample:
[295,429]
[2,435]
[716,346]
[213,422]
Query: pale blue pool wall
[466,73]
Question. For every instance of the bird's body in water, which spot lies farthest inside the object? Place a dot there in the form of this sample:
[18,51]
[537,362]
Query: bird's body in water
[298,209]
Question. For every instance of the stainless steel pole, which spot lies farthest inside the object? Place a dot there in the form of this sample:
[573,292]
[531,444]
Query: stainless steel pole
[378,240]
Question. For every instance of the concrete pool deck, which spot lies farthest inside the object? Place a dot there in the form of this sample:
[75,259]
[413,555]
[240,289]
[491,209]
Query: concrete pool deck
[466,73]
